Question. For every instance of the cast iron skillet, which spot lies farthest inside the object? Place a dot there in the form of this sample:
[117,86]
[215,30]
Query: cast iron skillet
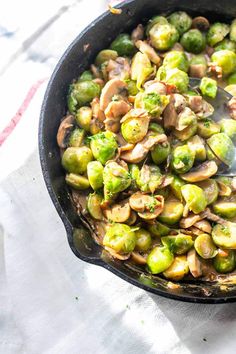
[77,58]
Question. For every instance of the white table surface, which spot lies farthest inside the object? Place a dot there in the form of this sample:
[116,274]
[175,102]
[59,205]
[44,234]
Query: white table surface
[51,302]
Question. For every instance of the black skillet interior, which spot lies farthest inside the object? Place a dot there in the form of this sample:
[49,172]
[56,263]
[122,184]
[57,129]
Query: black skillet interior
[98,35]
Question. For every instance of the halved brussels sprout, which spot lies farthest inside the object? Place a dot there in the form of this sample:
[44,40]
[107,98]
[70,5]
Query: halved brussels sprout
[76,137]
[141,68]
[207,127]
[198,66]
[160,152]
[152,102]
[178,244]
[186,118]
[226,44]
[205,246]
[103,146]
[81,93]
[176,185]
[95,174]
[182,159]
[225,186]
[134,174]
[120,238]
[158,229]
[83,118]
[163,36]
[156,128]
[159,259]
[228,126]
[188,132]
[210,189]
[154,20]
[208,87]
[232,33]
[105,55]
[176,59]
[197,145]
[115,178]
[178,269]
[174,77]
[132,87]
[181,20]
[76,159]
[77,181]
[193,41]
[194,197]
[217,32]
[149,178]
[123,45]
[224,236]
[226,59]
[134,125]
[225,261]
[223,147]
[86,76]
[172,212]
[144,240]
[231,80]
[94,205]
[225,209]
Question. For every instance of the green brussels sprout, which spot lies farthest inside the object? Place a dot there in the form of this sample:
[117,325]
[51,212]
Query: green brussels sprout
[158,229]
[207,127]
[182,159]
[217,32]
[95,174]
[174,77]
[210,189]
[194,197]
[197,145]
[181,20]
[103,146]
[188,132]
[94,205]
[178,269]
[86,76]
[81,93]
[176,185]
[178,244]
[77,182]
[193,41]
[159,259]
[83,117]
[226,59]
[76,137]
[198,59]
[156,128]
[232,34]
[155,20]
[135,126]
[224,236]
[163,36]
[132,87]
[225,262]
[123,45]
[160,152]
[228,126]
[76,159]
[105,55]
[231,80]
[231,89]
[176,59]
[120,238]
[143,240]
[208,87]
[223,147]
[141,68]
[149,178]
[115,178]
[225,209]
[226,44]
[134,174]
[152,102]
[205,247]
[172,212]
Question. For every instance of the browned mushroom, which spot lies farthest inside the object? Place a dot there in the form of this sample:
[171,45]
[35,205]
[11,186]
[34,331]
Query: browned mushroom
[224,189]
[194,263]
[95,71]
[213,217]
[132,219]
[189,221]
[145,48]
[64,130]
[179,102]
[201,23]
[195,103]
[112,88]
[137,33]
[118,212]
[138,258]
[197,70]
[201,172]
[117,69]
[155,86]
[100,82]
[176,104]
[147,206]
[203,226]
[96,110]
[114,111]
[232,107]
[114,254]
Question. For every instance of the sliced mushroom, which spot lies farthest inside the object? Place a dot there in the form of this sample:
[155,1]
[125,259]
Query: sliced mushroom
[117,69]
[179,102]
[118,212]
[195,231]
[213,217]
[95,71]
[137,33]
[99,81]
[195,103]
[147,206]
[145,48]
[96,110]
[138,258]
[142,148]
[113,87]
[197,70]
[64,130]
[232,107]
[185,211]
[194,264]
[206,111]
[132,218]
[121,257]
[155,86]
[176,105]
[201,23]
[224,190]
[114,111]
[185,223]
[136,113]
[204,226]
[166,181]
[137,201]
[201,172]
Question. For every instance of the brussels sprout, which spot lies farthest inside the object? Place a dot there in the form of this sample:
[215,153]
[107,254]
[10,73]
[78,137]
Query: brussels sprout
[172,212]
[185,119]
[159,259]
[95,174]
[197,145]
[198,59]
[94,205]
[152,102]
[105,55]
[76,181]
[156,128]
[76,137]
[194,198]
[174,77]
[205,246]
[225,261]
[134,126]
[83,118]
[155,20]
[228,126]
[225,209]
[210,189]
[232,34]
[217,32]
[120,238]
[143,240]
[115,178]
[149,178]
[193,41]
[208,87]
[76,159]
[178,269]
[223,147]
[181,21]
[182,159]
[231,80]
[198,66]
[178,244]
[163,36]
[141,68]
[157,229]
[176,59]
[231,89]
[134,174]
[224,236]
[103,146]
[81,93]
[132,87]
[86,76]
[226,59]
[226,44]
[160,152]
[188,132]
[123,45]
[176,185]
[207,127]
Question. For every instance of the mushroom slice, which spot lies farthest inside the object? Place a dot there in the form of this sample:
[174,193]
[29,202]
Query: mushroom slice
[189,221]
[232,107]
[137,33]
[201,23]
[147,206]
[64,130]
[224,189]
[194,263]
[201,172]
[121,257]
[117,69]
[213,217]
[113,112]
[204,226]
[96,110]
[195,103]
[113,87]
[145,48]
[155,86]
[132,218]
[136,113]
[197,70]
[118,212]
[138,258]
[170,115]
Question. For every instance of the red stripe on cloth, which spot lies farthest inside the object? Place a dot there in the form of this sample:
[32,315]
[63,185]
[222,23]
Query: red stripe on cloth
[17,117]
